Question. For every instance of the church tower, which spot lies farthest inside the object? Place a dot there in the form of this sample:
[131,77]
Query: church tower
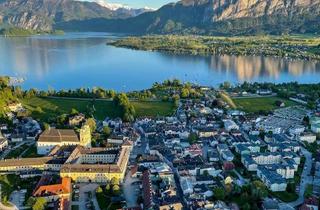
[85,136]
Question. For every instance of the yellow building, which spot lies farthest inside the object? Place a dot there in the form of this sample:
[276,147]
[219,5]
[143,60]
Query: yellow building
[97,164]
[24,164]
[82,165]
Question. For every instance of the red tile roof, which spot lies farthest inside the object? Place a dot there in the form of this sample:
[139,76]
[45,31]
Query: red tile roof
[55,189]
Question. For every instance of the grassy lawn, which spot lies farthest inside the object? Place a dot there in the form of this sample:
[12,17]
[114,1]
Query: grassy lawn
[15,153]
[103,201]
[74,207]
[31,152]
[254,105]
[285,196]
[50,108]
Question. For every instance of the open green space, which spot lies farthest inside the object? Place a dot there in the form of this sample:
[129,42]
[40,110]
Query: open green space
[258,104]
[31,152]
[46,108]
[103,200]
[285,196]
[16,152]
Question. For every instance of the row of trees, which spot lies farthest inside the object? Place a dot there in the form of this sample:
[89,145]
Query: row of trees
[127,110]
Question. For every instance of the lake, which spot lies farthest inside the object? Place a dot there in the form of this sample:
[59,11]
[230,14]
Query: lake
[84,60]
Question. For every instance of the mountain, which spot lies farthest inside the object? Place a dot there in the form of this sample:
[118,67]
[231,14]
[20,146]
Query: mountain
[222,17]
[123,10]
[44,14]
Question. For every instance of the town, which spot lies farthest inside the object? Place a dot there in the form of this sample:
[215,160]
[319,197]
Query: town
[232,147]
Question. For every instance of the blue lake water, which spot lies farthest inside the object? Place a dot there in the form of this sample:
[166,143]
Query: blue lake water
[84,60]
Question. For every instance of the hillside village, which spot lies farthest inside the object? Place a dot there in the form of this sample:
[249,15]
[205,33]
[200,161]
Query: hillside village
[207,155]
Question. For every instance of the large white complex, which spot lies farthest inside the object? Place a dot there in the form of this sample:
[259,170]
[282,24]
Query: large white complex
[62,137]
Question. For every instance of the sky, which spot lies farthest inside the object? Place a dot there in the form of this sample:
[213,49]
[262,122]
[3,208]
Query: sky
[141,3]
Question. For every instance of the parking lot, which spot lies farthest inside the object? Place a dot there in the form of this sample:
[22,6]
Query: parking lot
[18,198]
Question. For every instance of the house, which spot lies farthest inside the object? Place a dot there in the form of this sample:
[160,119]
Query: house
[3,142]
[207,132]
[225,152]
[147,190]
[230,125]
[117,139]
[274,181]
[15,107]
[17,137]
[202,190]
[311,203]
[315,124]
[280,103]
[186,185]
[77,119]
[55,191]
[264,92]
[307,137]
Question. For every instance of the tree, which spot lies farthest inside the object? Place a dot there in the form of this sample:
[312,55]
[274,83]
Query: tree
[185,93]
[219,193]
[127,109]
[308,191]
[106,131]
[193,138]
[114,181]
[225,85]
[259,190]
[116,189]
[99,190]
[39,110]
[46,126]
[40,204]
[176,100]
[74,111]
[92,124]
[108,187]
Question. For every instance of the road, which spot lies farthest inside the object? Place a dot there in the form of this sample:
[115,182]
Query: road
[3,207]
[305,178]
[177,181]
[130,190]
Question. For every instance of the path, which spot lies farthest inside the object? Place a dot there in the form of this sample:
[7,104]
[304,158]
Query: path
[3,207]
[305,178]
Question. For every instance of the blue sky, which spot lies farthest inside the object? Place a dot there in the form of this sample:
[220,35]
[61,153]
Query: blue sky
[141,3]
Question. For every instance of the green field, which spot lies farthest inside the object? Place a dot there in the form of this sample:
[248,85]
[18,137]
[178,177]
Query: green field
[52,107]
[254,105]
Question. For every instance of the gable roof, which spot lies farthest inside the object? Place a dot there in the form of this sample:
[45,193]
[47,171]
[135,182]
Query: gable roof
[58,135]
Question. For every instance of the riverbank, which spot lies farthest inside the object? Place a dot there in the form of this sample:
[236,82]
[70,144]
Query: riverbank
[291,47]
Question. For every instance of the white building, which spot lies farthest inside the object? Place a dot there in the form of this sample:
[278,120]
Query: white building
[308,137]
[230,125]
[53,137]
